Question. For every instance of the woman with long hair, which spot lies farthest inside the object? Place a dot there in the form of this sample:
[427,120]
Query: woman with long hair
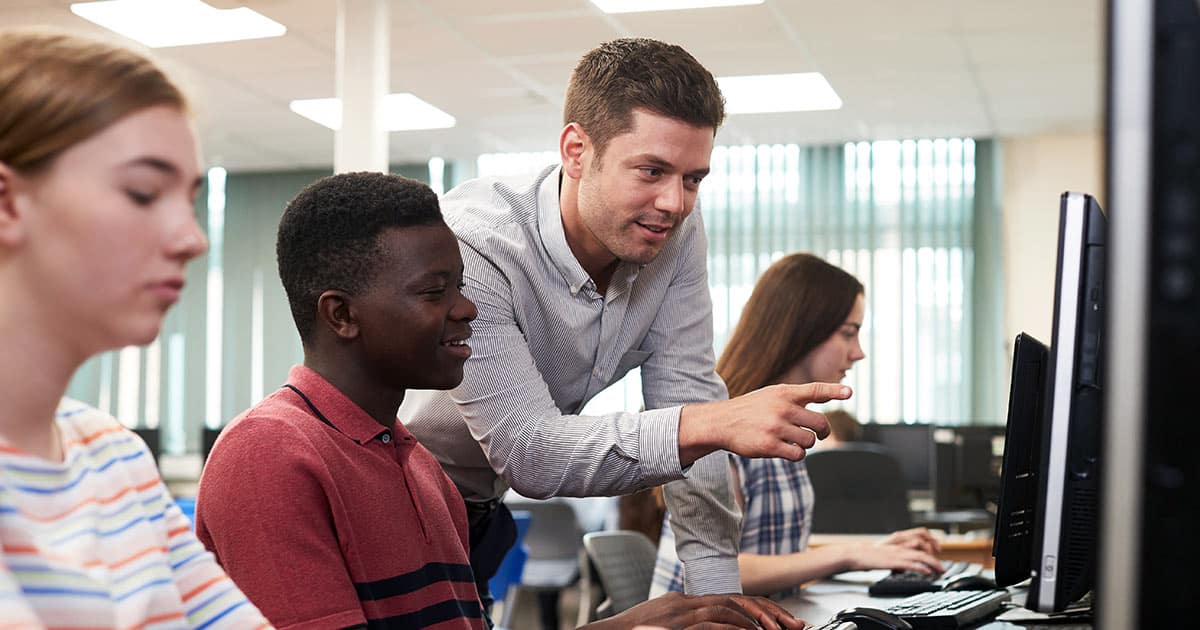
[800,325]
[98,173]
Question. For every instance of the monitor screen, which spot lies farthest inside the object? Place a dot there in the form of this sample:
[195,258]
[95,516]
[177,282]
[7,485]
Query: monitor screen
[967,466]
[151,438]
[1065,535]
[911,444]
[1013,542]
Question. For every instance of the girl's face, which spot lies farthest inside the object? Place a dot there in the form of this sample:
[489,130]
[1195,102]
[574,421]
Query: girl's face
[829,362]
[100,238]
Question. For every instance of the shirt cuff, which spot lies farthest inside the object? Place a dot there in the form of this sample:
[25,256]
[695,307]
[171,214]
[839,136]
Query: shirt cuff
[712,575]
[658,441]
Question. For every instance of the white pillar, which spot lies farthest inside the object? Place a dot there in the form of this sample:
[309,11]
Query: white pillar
[363,57]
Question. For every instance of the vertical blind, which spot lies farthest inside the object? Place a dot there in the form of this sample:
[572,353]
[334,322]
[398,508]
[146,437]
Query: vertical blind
[899,215]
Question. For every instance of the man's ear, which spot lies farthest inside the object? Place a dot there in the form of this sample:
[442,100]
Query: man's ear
[572,144]
[12,225]
[334,313]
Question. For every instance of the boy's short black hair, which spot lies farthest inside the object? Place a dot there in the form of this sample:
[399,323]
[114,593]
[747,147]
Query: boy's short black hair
[329,235]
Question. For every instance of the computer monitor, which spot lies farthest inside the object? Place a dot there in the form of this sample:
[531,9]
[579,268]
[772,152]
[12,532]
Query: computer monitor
[152,439]
[207,439]
[1013,540]
[1064,543]
[1151,487]
[966,468]
[911,444]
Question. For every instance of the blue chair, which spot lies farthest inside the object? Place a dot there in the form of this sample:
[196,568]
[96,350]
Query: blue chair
[509,573]
[188,507]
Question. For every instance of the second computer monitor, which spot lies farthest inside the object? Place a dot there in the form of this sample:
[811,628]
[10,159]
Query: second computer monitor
[1017,509]
[1063,537]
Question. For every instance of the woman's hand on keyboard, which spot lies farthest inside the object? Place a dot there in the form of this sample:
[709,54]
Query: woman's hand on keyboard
[915,538]
[888,556]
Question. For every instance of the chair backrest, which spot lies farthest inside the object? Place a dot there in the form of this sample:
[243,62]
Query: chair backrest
[624,561]
[552,543]
[554,531]
[859,489]
[509,572]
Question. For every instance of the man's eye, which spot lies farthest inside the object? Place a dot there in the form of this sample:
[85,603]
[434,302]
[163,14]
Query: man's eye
[652,172]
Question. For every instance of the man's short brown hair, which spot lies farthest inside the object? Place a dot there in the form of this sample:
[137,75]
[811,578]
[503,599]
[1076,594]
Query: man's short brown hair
[622,75]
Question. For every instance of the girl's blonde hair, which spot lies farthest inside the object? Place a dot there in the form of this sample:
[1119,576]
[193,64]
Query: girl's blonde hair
[57,90]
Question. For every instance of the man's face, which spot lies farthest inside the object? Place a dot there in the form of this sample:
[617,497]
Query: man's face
[413,320]
[633,198]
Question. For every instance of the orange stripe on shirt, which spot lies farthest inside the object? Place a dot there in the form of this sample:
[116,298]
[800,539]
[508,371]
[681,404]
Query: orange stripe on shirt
[88,439]
[91,500]
[196,591]
[147,551]
[34,551]
[157,619]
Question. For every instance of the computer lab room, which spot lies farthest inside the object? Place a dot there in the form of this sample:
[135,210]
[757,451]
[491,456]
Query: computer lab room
[605,314]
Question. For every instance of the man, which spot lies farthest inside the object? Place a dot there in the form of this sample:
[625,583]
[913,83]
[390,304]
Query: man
[321,507]
[587,270]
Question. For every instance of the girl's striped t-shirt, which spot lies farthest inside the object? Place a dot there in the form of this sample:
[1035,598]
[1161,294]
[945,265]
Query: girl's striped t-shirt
[96,541]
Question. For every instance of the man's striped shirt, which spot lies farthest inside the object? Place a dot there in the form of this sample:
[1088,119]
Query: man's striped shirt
[546,341]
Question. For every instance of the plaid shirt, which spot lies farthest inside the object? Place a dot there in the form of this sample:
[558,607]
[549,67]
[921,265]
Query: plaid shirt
[777,518]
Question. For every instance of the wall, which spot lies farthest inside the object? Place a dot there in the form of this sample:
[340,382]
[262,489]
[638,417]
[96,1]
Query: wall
[1036,171]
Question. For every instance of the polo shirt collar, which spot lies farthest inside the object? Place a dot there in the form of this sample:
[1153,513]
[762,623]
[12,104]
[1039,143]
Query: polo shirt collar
[342,413]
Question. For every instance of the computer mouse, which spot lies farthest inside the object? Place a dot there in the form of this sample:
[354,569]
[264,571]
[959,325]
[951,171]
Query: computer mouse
[873,619]
[970,583]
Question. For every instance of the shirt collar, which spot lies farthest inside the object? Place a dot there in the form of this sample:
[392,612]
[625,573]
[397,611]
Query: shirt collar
[554,239]
[340,411]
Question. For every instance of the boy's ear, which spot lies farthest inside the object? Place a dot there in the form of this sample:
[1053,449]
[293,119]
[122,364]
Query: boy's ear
[572,144]
[333,312]
[12,228]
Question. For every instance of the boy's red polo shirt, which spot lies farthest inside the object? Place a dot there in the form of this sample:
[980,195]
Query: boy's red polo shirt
[333,525]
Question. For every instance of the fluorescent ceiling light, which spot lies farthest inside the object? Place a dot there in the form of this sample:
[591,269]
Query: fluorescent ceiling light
[763,93]
[402,112]
[638,6]
[161,23]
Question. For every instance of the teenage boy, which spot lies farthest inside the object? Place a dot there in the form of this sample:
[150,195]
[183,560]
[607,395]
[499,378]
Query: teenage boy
[318,503]
[593,267]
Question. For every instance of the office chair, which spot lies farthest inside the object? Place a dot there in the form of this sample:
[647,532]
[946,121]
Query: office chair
[508,575]
[624,562]
[552,557]
[859,489]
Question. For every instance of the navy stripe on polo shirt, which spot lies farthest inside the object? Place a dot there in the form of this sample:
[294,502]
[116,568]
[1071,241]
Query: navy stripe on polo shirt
[430,615]
[415,580]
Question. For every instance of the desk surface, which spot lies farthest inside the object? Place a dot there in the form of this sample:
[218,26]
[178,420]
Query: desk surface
[820,601]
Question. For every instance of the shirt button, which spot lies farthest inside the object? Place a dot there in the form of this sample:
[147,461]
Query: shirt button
[385,438]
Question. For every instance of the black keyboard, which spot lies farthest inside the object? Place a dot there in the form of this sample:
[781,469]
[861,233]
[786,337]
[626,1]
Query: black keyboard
[902,583]
[948,610]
